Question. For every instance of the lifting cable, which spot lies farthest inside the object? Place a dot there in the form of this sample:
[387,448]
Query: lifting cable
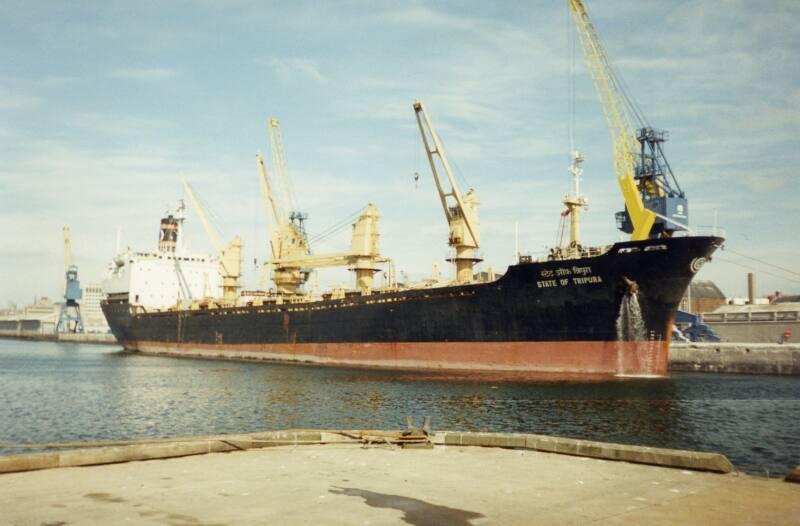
[762,262]
[335,228]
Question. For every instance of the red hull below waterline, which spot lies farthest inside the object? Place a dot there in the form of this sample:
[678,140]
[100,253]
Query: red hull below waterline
[557,357]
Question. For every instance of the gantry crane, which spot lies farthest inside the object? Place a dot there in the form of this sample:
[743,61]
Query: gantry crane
[460,211]
[655,205]
[230,256]
[69,319]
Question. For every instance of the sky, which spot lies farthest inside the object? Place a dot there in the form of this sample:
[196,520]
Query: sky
[105,106]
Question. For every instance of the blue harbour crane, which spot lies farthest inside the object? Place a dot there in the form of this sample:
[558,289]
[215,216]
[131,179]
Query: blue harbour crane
[70,320]
[655,205]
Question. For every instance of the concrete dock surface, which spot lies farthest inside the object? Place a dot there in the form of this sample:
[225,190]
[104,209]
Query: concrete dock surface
[380,484]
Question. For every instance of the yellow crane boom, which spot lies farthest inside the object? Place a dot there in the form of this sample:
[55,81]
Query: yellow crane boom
[273,219]
[67,249]
[212,233]
[616,114]
[230,256]
[281,169]
[460,211]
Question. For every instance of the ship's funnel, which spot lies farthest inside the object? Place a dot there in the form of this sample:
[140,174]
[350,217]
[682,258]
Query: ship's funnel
[168,239]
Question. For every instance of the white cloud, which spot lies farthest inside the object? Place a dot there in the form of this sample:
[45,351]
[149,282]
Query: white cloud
[144,74]
[288,69]
[494,79]
[15,101]
[113,124]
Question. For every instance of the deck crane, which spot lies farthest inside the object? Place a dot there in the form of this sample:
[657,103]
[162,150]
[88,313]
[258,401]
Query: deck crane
[291,257]
[230,256]
[362,257]
[271,207]
[655,205]
[69,319]
[287,236]
[460,211]
[282,174]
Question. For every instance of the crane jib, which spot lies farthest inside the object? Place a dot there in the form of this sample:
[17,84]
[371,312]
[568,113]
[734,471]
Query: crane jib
[655,204]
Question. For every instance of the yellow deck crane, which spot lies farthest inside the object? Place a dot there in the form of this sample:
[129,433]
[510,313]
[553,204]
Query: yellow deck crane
[460,211]
[230,256]
[291,257]
[287,236]
[362,258]
[655,205]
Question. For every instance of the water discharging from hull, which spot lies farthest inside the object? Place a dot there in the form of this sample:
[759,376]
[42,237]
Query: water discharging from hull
[630,324]
[630,327]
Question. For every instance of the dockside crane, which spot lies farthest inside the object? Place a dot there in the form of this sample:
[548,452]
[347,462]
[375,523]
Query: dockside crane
[230,255]
[69,318]
[460,211]
[655,205]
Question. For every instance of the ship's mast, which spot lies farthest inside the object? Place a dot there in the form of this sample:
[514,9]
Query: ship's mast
[574,201]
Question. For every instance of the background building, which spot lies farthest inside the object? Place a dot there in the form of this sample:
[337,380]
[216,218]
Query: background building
[93,318]
[40,317]
[702,296]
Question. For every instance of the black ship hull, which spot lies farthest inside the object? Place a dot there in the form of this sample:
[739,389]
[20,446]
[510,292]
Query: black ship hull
[579,316]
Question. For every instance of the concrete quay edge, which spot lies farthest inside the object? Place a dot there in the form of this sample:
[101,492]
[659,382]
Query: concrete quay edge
[179,447]
[674,458]
[155,449]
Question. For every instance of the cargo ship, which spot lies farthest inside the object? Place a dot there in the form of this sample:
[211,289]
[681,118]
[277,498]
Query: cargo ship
[544,317]
[578,310]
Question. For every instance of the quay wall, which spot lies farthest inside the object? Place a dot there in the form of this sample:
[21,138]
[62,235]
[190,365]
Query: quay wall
[739,358]
[84,337]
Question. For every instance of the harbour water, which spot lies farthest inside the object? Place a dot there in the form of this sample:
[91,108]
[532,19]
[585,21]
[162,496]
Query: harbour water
[56,392]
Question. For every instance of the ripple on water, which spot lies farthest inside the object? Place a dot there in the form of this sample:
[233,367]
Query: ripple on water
[54,392]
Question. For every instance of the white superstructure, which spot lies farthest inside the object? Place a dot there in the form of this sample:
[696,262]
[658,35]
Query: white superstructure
[167,277]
